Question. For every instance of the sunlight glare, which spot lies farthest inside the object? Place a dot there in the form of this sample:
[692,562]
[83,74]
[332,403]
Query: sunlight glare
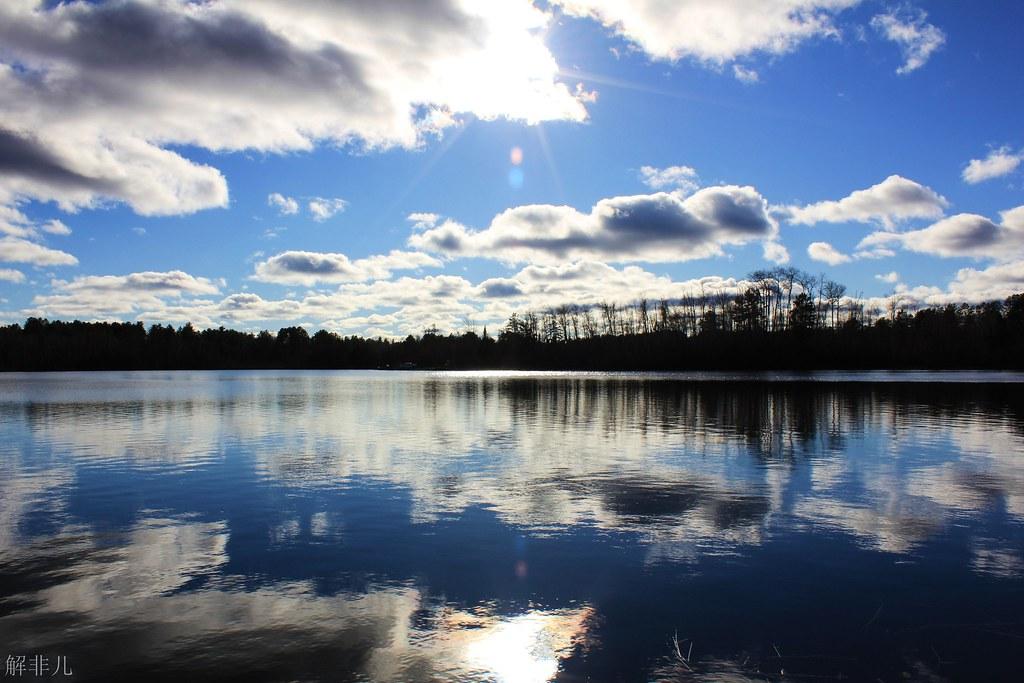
[526,648]
[515,75]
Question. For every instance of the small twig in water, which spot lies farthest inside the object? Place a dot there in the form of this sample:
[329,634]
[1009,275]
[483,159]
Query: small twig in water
[679,653]
[878,612]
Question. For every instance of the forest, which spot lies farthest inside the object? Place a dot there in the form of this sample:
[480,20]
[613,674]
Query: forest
[783,320]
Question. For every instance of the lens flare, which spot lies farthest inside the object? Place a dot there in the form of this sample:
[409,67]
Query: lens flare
[515,177]
[516,156]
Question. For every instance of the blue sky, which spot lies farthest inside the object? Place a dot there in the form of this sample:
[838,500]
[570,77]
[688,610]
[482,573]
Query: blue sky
[256,164]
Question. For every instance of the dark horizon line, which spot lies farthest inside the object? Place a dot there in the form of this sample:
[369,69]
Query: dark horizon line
[759,329]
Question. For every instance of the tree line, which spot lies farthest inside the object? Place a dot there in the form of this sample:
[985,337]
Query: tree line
[776,300]
[783,319]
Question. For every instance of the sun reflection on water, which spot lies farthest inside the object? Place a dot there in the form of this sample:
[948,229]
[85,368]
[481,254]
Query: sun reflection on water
[526,648]
[413,525]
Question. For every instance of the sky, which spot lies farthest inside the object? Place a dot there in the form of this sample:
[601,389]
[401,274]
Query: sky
[379,168]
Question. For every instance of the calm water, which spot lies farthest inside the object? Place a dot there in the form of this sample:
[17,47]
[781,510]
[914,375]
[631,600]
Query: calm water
[420,527]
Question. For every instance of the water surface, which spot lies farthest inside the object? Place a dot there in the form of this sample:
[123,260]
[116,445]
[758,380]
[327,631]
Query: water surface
[372,526]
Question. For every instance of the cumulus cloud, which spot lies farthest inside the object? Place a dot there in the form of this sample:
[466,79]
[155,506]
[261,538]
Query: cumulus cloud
[385,307]
[11,275]
[970,285]
[995,282]
[893,200]
[658,227]
[999,162]
[323,208]
[775,252]
[17,250]
[892,277]
[408,305]
[95,94]
[422,220]
[589,282]
[80,168]
[405,305]
[826,253]
[170,283]
[16,224]
[107,296]
[55,227]
[310,268]
[712,32]
[916,37]
[962,235]
[681,178]
[286,206]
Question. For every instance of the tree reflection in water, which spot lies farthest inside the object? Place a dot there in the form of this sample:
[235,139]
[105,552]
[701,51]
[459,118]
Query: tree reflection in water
[518,528]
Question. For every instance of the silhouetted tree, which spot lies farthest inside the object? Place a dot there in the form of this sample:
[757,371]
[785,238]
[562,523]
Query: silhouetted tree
[704,331]
[802,316]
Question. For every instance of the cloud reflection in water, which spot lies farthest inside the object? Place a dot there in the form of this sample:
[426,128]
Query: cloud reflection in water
[430,527]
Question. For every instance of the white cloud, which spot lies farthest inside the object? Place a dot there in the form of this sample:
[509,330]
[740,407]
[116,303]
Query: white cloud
[681,178]
[80,166]
[584,95]
[826,253]
[405,305]
[745,75]
[96,93]
[119,296]
[970,285]
[715,32]
[16,224]
[17,250]
[658,227]
[893,200]
[775,252]
[892,277]
[422,220]
[170,283]
[916,37]
[962,235]
[408,305]
[587,283]
[286,206]
[11,275]
[995,282]
[1013,219]
[876,251]
[999,162]
[55,227]
[323,208]
[310,268]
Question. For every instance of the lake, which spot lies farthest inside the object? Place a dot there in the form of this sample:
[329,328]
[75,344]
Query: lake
[375,526]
